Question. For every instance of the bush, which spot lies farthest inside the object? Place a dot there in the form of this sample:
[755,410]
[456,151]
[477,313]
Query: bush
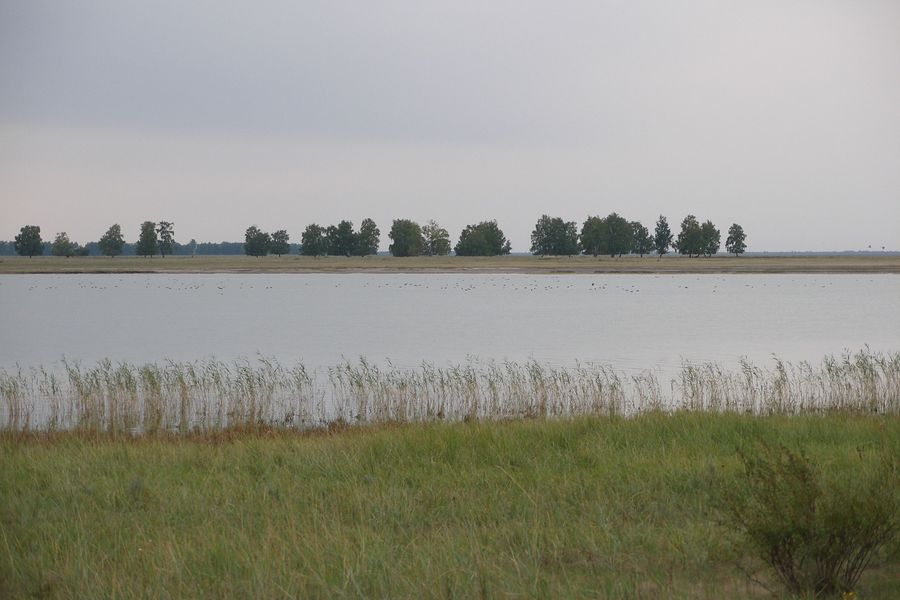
[818,534]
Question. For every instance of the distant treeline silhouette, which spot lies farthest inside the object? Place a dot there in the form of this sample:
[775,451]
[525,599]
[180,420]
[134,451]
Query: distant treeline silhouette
[612,235]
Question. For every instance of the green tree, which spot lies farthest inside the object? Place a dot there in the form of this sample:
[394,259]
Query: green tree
[28,242]
[554,237]
[165,232]
[146,244]
[111,242]
[662,236]
[608,235]
[341,239]
[592,235]
[690,240]
[407,238]
[367,239]
[256,241]
[437,240]
[641,240]
[312,241]
[280,243]
[735,241]
[710,239]
[62,246]
[482,239]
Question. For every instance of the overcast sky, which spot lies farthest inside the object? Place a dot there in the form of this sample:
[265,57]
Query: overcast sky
[783,116]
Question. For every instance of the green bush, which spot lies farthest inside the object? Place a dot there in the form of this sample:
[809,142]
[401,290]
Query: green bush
[818,534]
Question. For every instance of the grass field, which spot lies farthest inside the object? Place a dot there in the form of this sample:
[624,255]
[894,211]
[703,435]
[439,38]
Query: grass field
[453,264]
[590,507]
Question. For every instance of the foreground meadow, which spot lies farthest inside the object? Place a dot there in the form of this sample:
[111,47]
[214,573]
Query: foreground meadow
[581,507]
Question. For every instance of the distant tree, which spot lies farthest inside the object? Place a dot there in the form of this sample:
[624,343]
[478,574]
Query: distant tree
[641,241]
[735,241]
[112,241]
[662,236]
[592,234]
[611,235]
[367,239]
[256,241]
[341,239]
[166,232]
[482,239]
[437,240]
[690,239]
[28,242]
[79,250]
[312,241]
[146,244]
[407,238]
[280,243]
[191,247]
[62,246]
[710,239]
[554,237]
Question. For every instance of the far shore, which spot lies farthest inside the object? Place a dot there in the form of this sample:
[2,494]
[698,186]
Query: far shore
[533,265]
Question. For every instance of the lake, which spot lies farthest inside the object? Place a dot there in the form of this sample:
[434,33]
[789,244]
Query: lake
[631,322]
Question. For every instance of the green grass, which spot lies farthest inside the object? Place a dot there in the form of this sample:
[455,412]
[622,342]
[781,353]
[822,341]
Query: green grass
[587,507]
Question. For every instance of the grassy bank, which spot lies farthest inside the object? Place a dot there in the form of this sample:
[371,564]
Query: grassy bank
[587,507]
[452,264]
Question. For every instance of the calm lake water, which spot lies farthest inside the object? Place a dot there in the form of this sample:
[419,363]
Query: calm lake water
[632,322]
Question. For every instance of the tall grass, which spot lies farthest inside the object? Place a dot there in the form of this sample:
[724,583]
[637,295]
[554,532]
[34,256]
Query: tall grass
[211,396]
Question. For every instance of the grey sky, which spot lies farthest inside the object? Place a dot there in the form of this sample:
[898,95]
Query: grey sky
[782,116]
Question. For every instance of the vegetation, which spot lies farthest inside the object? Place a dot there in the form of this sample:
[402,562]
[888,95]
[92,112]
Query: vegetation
[483,239]
[406,237]
[63,246]
[588,507]
[280,243]
[111,242]
[165,237]
[341,240]
[641,240]
[709,238]
[28,242]
[554,237]
[611,235]
[437,240]
[146,244]
[256,242]
[312,242]
[662,237]
[735,241]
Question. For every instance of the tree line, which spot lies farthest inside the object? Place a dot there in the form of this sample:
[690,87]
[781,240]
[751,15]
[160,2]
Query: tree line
[611,235]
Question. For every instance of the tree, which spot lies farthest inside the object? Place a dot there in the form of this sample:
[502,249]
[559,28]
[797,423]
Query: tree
[610,235]
[28,242]
[367,239]
[146,244]
[312,241]
[554,237]
[437,240]
[280,243]
[662,236]
[483,239]
[112,241]
[166,240]
[689,240]
[62,246]
[641,240]
[710,239]
[256,241]
[735,241]
[407,238]
[341,239]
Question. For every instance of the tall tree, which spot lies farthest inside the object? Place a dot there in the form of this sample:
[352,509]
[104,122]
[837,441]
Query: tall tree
[407,238]
[735,241]
[690,240]
[592,235]
[256,241]
[280,243]
[111,242]
[312,241]
[341,239]
[483,239]
[662,236]
[554,237]
[641,240]
[146,244]
[28,242]
[437,239]
[63,246]
[166,240]
[367,239]
[710,239]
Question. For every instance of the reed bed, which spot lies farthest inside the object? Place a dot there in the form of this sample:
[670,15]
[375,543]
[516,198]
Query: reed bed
[211,396]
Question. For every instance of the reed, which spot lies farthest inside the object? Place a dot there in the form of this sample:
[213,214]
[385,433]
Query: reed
[175,397]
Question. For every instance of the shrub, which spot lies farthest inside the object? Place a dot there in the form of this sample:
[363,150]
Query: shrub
[818,534]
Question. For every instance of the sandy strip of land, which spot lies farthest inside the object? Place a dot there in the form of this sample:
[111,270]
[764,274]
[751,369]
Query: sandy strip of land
[454,264]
